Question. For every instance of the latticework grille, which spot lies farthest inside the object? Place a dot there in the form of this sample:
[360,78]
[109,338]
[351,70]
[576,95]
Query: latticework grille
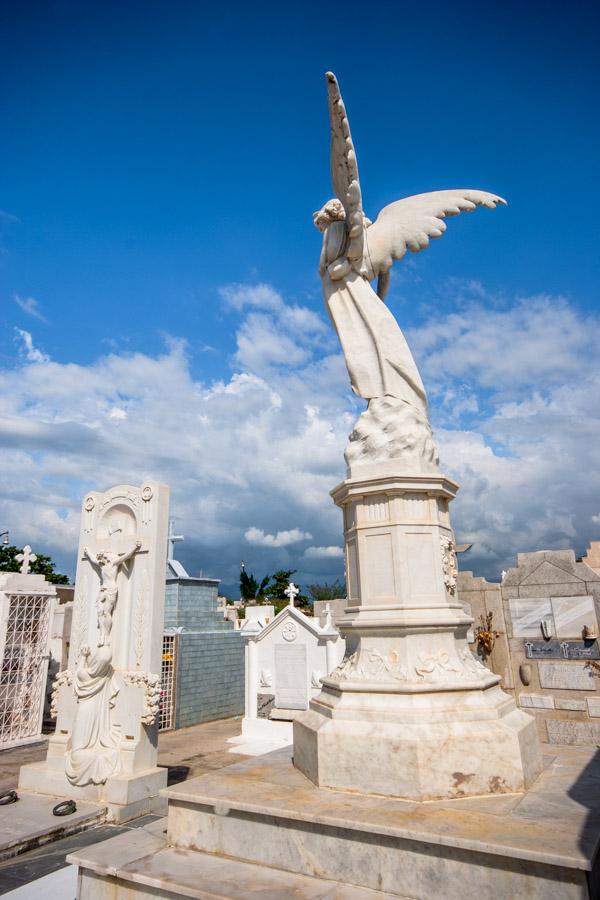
[166,715]
[24,667]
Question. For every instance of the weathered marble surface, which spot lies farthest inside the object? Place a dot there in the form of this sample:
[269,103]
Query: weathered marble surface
[572,704]
[538,701]
[568,676]
[571,614]
[569,732]
[526,615]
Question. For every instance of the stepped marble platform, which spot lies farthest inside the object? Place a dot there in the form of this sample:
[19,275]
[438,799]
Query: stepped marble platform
[261,827]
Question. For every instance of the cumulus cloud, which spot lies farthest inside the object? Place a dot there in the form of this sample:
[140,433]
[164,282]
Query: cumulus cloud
[26,348]
[30,306]
[332,552]
[256,453]
[281,539]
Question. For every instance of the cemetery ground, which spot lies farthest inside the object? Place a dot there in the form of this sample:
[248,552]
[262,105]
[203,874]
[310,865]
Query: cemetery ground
[187,752]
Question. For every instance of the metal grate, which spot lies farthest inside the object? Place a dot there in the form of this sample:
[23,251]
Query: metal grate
[24,667]
[166,715]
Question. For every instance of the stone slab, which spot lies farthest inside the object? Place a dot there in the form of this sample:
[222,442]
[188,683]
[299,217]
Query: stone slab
[571,614]
[270,786]
[570,703]
[566,676]
[526,615]
[536,701]
[593,705]
[29,823]
[191,874]
[584,734]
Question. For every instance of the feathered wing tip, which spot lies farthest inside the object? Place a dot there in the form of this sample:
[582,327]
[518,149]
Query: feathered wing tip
[344,169]
[410,224]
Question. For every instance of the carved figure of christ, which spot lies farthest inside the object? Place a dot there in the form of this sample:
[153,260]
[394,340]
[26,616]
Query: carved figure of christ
[108,562]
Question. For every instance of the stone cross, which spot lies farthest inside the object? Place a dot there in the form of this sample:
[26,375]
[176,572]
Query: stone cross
[171,541]
[26,558]
[291,591]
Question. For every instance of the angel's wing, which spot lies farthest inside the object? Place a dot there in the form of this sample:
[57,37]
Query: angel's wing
[410,223]
[344,169]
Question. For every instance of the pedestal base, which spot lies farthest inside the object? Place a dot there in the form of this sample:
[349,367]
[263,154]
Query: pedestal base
[125,796]
[419,747]
[261,828]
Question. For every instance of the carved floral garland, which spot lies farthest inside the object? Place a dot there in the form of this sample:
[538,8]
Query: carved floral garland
[151,684]
[64,677]
[449,566]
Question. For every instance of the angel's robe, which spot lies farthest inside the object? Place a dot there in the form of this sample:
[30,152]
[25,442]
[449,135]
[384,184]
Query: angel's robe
[377,356]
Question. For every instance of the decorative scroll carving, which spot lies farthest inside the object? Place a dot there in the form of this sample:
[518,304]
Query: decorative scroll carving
[449,567]
[437,667]
[62,678]
[151,685]
[370,665]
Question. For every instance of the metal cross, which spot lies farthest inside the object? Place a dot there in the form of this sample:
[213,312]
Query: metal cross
[172,539]
[291,591]
[26,558]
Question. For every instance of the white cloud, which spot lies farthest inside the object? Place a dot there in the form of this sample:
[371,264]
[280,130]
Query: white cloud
[30,306]
[27,349]
[519,431]
[281,539]
[261,296]
[324,552]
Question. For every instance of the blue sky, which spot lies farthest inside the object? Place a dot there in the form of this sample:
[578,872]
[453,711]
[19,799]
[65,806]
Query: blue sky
[156,154]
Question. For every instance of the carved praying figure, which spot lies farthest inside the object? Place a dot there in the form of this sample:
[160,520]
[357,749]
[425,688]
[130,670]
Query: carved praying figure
[355,252]
[108,562]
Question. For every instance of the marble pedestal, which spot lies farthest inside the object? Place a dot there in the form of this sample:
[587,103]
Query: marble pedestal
[410,712]
[260,828]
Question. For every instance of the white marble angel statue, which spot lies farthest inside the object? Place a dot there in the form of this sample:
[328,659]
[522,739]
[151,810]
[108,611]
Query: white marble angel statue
[355,252]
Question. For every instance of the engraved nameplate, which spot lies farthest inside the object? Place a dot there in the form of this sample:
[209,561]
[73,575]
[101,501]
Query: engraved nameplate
[562,649]
[291,676]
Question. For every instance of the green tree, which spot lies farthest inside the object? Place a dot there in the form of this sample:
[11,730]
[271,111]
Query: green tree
[275,592]
[43,565]
[250,590]
[334,591]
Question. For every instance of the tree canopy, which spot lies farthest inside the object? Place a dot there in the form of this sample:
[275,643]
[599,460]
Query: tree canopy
[42,565]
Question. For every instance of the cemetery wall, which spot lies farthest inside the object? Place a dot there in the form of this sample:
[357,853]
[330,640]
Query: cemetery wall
[210,663]
[546,611]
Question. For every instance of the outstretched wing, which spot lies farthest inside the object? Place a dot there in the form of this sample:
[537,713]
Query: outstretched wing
[344,169]
[410,223]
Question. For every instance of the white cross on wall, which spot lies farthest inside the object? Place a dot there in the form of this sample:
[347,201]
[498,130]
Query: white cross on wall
[172,539]
[291,591]
[26,558]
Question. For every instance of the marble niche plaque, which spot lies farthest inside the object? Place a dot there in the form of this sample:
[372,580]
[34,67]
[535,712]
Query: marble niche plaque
[536,701]
[562,649]
[291,676]
[571,614]
[526,616]
[566,676]
[571,703]
[568,732]
[593,705]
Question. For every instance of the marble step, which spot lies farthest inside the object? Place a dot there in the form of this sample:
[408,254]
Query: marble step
[141,865]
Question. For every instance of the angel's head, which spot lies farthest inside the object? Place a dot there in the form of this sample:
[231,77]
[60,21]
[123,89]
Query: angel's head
[333,211]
